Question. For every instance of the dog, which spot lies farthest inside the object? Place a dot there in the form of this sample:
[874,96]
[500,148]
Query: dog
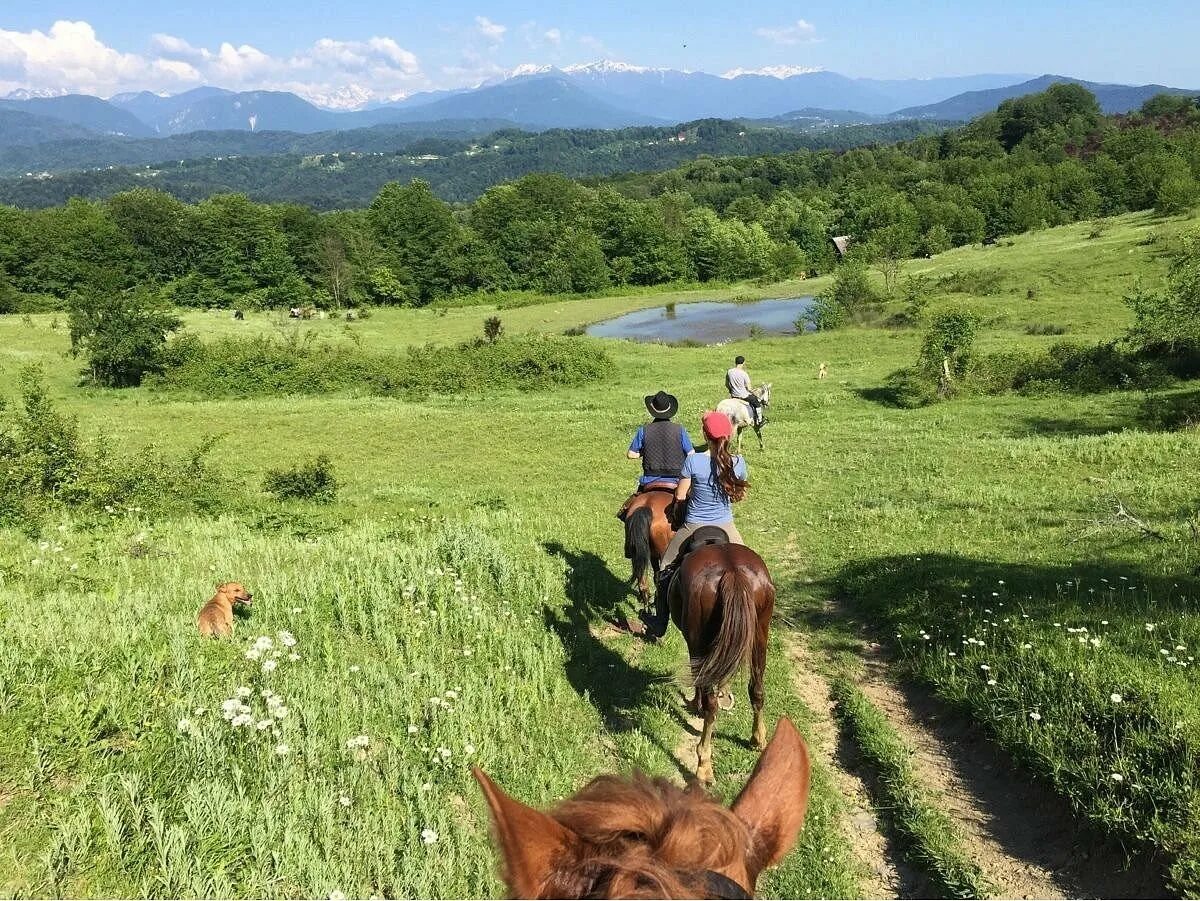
[216,617]
[822,371]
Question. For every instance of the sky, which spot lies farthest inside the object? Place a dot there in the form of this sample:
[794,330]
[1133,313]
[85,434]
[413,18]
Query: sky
[349,52]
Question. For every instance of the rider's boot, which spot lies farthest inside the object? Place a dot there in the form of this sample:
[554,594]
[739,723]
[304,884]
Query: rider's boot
[657,627]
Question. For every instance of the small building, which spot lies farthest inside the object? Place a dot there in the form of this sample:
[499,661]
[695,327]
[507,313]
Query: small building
[842,244]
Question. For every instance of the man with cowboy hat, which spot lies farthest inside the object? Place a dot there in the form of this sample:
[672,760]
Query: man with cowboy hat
[661,445]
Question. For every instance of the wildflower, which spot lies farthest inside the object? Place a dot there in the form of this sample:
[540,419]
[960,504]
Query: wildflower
[345,801]
[186,726]
[1115,698]
[468,748]
[279,712]
[452,695]
[287,639]
[991,681]
[1180,647]
[336,895]
[355,668]
[264,642]
[1104,622]
[358,741]
[444,753]
[263,725]
[242,719]
[428,836]
[1117,777]
[1149,627]
[293,656]
[985,667]
[1035,716]
[412,729]
[199,711]
[268,666]
[1026,646]
[297,610]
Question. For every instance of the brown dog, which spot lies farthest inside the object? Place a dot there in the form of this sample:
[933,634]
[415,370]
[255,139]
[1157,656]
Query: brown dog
[216,617]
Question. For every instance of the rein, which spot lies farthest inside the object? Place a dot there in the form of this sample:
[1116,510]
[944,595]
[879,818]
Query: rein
[718,886]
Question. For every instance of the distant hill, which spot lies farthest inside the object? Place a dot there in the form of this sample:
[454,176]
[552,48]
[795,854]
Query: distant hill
[21,129]
[91,113]
[157,111]
[1113,98]
[546,101]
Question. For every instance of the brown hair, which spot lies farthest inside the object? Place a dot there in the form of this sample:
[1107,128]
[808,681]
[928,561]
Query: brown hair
[645,838]
[728,483]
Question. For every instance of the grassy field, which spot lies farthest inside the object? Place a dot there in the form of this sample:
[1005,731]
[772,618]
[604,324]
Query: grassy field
[889,510]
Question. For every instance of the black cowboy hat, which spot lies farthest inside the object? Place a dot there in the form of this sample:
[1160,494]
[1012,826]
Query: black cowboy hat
[662,405]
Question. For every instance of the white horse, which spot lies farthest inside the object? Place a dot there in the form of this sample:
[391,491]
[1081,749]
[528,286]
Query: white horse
[742,416]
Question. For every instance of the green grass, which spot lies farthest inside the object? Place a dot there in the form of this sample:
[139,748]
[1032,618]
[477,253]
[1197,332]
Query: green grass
[932,841]
[997,486]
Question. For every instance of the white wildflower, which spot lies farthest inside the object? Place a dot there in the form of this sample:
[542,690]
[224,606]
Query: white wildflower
[1115,698]
[1117,777]
[287,639]
[269,665]
[282,750]
[345,801]
[428,836]
[1035,716]
[412,729]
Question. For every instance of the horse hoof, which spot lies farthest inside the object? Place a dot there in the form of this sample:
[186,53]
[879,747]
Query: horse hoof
[704,775]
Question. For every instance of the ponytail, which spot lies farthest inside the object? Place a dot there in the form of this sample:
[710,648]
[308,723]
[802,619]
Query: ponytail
[727,482]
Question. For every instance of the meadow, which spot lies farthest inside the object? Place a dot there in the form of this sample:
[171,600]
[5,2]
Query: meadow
[454,605]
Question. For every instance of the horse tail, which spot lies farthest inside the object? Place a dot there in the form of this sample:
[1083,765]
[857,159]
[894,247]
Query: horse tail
[735,634]
[637,540]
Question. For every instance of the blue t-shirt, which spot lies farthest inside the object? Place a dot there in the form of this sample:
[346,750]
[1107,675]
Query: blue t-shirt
[640,439]
[706,503]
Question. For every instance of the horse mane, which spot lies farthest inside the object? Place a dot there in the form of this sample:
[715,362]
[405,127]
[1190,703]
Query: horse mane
[645,838]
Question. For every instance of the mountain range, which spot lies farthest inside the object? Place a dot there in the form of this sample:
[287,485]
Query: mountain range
[598,95]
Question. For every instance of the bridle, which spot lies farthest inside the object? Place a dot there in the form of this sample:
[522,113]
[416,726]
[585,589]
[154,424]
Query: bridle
[719,886]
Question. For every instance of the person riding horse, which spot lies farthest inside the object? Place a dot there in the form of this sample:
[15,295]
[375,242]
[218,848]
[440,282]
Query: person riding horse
[711,483]
[737,381]
[661,445]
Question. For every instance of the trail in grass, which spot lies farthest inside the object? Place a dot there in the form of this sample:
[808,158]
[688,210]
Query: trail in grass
[1023,837]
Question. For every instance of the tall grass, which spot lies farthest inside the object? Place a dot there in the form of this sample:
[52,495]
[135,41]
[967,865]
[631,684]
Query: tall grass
[127,781]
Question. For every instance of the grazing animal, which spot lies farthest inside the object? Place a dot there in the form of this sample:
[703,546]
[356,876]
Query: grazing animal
[722,599]
[648,838]
[216,617]
[648,531]
[822,371]
[239,315]
[742,416]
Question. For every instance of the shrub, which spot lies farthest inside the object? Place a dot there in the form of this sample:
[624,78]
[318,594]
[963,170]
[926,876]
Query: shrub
[851,298]
[1169,320]
[49,466]
[312,481]
[122,334]
[1045,328]
[301,365]
[492,329]
[946,347]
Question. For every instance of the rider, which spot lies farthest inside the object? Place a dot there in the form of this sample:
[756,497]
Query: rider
[711,483]
[737,380]
[661,445]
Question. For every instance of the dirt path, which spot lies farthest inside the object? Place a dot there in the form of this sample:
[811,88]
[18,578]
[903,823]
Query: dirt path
[1025,840]
[888,876]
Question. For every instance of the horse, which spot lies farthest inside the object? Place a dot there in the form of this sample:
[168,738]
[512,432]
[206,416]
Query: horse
[741,415]
[648,838]
[722,599]
[648,531]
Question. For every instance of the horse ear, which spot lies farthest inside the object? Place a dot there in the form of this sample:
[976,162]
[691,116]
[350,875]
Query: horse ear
[529,840]
[774,801]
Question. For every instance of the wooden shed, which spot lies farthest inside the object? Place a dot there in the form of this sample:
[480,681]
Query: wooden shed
[842,244]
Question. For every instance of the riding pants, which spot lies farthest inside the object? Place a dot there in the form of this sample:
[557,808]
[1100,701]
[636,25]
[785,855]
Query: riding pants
[755,403]
[671,554]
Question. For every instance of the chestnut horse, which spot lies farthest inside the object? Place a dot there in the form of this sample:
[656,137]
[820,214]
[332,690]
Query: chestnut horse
[722,599]
[648,838]
[648,531]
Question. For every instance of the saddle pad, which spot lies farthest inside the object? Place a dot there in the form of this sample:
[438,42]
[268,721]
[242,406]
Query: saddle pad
[704,536]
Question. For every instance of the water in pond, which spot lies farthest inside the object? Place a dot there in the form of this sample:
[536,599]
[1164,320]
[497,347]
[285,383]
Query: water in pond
[708,322]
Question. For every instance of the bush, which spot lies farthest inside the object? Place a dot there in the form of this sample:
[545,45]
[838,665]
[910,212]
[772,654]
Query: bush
[301,365]
[122,334]
[492,329]
[1045,328]
[313,481]
[850,299]
[48,466]
[1169,321]
[946,347]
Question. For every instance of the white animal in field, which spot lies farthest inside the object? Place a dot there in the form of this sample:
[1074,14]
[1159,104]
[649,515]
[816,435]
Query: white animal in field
[822,371]
[742,416]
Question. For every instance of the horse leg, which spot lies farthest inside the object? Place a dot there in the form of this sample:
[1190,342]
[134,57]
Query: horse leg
[758,433]
[704,768]
[694,705]
[758,668]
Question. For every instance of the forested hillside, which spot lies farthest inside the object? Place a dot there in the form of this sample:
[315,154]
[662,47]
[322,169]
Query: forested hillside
[338,170]
[1041,160]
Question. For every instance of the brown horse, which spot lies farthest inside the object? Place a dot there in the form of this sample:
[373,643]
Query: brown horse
[644,838]
[648,531]
[722,600]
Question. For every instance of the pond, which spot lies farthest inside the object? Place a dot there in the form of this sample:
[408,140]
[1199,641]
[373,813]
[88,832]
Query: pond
[706,322]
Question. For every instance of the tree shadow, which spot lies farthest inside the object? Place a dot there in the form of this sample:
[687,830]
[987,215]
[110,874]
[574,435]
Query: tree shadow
[600,673]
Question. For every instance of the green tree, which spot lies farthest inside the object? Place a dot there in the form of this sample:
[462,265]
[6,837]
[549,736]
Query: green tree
[122,334]
[1169,320]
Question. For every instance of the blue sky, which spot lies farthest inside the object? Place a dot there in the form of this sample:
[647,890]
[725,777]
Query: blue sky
[345,51]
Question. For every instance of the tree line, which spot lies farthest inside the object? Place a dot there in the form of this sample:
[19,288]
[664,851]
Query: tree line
[1038,161]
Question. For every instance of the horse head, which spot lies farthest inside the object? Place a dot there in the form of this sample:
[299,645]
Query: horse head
[764,393]
[648,838]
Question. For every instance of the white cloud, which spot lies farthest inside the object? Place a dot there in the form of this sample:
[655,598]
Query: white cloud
[801,32]
[493,31]
[70,57]
[553,36]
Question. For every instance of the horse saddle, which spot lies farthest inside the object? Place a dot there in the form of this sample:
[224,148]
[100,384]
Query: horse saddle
[703,537]
[660,485]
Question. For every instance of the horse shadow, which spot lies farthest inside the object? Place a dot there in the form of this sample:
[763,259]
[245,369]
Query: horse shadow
[598,671]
